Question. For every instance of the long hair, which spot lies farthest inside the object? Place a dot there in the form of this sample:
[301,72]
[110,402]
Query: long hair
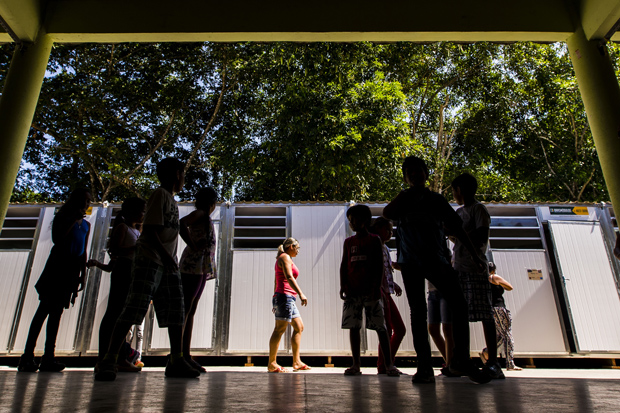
[74,203]
[289,242]
[205,199]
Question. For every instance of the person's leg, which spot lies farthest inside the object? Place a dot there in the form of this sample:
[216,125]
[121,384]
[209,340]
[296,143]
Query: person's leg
[414,288]
[490,338]
[388,325]
[398,328]
[298,328]
[192,285]
[446,281]
[53,323]
[48,363]
[274,343]
[355,340]
[384,343]
[449,340]
[119,289]
[435,332]
[35,328]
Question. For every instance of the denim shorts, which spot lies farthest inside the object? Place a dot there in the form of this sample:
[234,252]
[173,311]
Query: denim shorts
[438,309]
[284,307]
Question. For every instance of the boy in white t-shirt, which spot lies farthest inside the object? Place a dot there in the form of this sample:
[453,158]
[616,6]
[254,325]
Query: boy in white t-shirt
[156,276]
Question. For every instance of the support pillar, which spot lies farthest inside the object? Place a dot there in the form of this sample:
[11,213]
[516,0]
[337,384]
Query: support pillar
[600,93]
[18,102]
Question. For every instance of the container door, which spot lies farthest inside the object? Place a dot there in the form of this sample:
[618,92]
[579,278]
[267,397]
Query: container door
[589,284]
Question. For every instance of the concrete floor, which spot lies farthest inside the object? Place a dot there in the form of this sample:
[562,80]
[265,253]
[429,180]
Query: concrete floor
[234,389]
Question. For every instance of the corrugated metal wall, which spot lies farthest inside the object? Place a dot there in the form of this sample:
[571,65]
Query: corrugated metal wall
[536,326]
[321,233]
[68,324]
[242,322]
[12,271]
[589,283]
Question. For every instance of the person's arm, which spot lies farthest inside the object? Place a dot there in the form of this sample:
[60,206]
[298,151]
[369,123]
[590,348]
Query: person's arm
[482,219]
[497,280]
[393,209]
[105,267]
[186,222]
[151,233]
[286,263]
[377,267]
[344,271]
[83,263]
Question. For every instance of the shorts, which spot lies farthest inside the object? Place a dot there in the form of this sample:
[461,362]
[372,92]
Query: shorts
[151,281]
[438,309]
[284,307]
[354,307]
[477,292]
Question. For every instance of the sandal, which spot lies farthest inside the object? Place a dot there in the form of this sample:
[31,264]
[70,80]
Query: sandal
[302,367]
[352,372]
[279,369]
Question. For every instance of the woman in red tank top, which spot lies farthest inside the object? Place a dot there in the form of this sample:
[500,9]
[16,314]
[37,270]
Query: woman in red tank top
[284,308]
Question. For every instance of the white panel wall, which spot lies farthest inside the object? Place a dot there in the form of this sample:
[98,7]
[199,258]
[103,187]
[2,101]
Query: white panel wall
[536,322]
[202,335]
[68,323]
[12,269]
[590,284]
[321,231]
[536,326]
[251,320]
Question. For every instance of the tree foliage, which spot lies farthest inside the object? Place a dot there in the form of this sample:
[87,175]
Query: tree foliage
[320,121]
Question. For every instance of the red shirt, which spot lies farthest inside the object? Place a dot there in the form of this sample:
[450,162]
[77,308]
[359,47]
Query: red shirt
[282,285]
[361,270]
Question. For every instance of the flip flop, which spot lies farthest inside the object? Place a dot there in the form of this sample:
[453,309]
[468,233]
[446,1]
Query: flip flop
[303,367]
[352,372]
[279,370]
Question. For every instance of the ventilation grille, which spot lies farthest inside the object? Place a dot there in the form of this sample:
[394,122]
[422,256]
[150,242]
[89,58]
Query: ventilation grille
[19,229]
[514,228]
[259,227]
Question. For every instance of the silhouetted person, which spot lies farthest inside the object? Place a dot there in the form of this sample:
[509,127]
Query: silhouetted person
[474,280]
[361,274]
[156,276]
[62,278]
[423,254]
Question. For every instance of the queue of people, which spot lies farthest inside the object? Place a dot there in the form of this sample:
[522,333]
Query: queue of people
[144,270]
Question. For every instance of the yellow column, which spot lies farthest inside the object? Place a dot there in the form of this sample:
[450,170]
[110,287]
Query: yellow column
[17,106]
[601,97]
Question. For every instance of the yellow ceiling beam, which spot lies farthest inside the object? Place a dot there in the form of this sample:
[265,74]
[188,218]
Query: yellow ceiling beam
[23,17]
[598,17]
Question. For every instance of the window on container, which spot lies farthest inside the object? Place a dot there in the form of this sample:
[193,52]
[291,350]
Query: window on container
[514,227]
[19,229]
[261,227]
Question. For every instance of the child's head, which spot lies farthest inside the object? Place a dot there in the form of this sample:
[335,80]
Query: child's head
[415,171]
[382,227]
[133,210]
[206,199]
[78,202]
[359,217]
[170,172]
[492,268]
[464,187]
